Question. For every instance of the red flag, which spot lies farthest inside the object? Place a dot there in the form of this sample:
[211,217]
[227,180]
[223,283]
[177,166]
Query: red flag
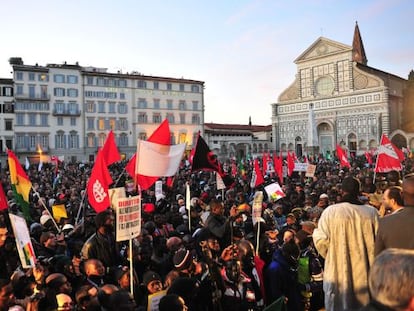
[160,136]
[98,184]
[3,200]
[278,163]
[257,176]
[389,156]
[290,163]
[343,159]
[110,151]
[264,162]
[203,158]
[368,157]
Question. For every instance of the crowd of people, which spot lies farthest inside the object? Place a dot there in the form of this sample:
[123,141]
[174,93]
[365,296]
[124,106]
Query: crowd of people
[327,244]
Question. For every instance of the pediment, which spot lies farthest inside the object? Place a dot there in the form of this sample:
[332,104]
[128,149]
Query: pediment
[323,47]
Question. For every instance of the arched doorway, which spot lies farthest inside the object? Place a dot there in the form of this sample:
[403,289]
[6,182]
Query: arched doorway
[298,142]
[399,140]
[325,134]
[352,144]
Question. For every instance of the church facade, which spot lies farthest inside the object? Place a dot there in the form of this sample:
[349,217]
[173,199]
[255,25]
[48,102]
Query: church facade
[336,98]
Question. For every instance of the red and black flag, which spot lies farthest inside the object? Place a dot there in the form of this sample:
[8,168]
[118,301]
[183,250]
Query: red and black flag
[203,158]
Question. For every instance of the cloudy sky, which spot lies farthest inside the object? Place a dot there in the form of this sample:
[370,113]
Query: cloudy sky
[242,49]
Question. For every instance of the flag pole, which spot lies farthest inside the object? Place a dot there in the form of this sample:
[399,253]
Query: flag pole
[44,206]
[81,206]
[119,178]
[376,162]
[188,205]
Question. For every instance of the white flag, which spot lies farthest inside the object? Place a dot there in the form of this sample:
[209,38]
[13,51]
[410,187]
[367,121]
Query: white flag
[156,160]
[27,165]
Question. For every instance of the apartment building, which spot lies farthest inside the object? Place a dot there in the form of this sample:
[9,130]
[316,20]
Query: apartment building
[67,110]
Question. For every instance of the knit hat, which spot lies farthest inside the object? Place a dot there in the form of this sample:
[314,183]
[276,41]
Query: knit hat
[182,259]
[119,273]
[150,276]
[44,219]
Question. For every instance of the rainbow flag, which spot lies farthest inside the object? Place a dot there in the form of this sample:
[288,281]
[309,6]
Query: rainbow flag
[21,184]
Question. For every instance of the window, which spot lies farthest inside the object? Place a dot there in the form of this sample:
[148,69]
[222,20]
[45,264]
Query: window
[19,118]
[156,104]
[121,95]
[19,75]
[89,80]
[43,77]
[44,121]
[142,103]
[122,108]
[19,141]
[169,86]
[72,79]
[156,118]
[59,121]
[19,89]
[8,108]
[182,87]
[8,125]
[141,84]
[60,140]
[59,92]
[170,118]
[123,124]
[101,124]
[169,104]
[123,140]
[172,138]
[7,91]
[181,138]
[195,88]
[195,105]
[101,107]
[59,78]
[91,142]
[72,93]
[32,119]
[181,105]
[111,82]
[112,124]
[142,117]
[32,142]
[73,108]
[73,121]
[100,81]
[90,124]
[32,93]
[142,135]
[59,107]
[73,140]
[90,106]
[122,83]
[111,107]
[156,85]
[31,76]
[43,91]
[195,119]
[182,118]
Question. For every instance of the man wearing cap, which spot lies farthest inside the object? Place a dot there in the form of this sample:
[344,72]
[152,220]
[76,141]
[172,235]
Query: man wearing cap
[345,237]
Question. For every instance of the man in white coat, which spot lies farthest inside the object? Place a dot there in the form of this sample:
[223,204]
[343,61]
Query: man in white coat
[345,237]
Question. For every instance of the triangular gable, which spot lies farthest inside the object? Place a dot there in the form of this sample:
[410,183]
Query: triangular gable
[323,47]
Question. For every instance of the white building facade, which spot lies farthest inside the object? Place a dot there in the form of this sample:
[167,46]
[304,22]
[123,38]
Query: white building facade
[68,110]
[353,104]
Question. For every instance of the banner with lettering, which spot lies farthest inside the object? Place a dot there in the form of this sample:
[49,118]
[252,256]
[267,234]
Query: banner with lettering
[128,218]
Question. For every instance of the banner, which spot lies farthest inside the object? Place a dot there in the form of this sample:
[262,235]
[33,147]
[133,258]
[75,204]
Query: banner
[274,192]
[158,190]
[257,206]
[300,167]
[154,300]
[23,241]
[128,218]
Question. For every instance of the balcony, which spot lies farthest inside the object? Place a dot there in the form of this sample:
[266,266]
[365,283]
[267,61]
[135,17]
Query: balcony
[37,97]
[66,112]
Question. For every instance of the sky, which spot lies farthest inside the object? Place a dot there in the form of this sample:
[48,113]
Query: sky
[244,50]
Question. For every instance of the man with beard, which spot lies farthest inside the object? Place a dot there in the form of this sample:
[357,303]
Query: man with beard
[101,245]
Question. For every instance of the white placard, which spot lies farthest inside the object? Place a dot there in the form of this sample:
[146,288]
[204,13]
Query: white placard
[128,218]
